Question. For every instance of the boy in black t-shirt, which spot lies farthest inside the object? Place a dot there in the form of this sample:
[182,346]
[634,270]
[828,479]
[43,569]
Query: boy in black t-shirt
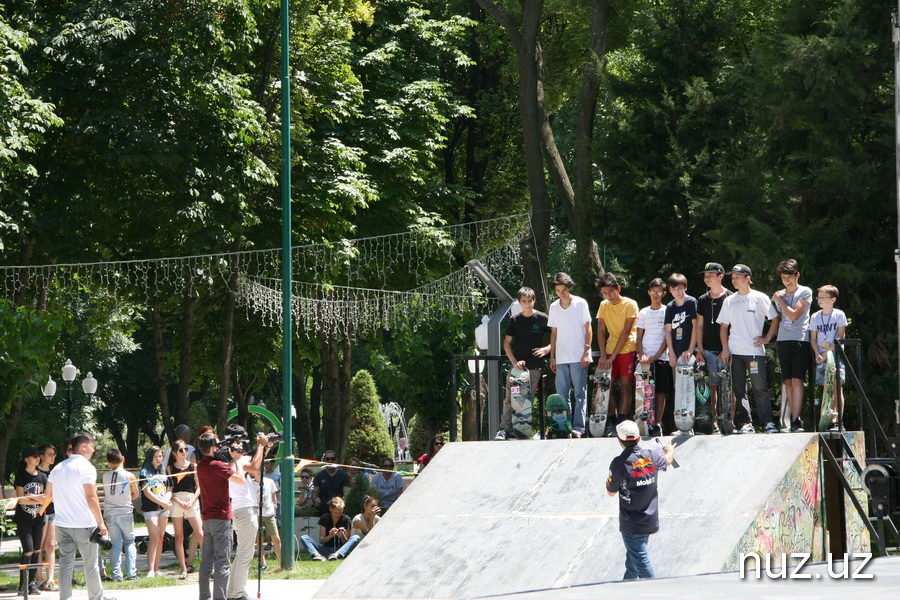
[709,341]
[524,347]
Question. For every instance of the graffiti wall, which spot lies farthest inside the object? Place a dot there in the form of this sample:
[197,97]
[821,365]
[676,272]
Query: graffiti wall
[791,519]
[858,539]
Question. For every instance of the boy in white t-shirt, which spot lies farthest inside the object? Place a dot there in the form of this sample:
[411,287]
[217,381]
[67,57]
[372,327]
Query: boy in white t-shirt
[742,318]
[268,511]
[826,326]
[652,347]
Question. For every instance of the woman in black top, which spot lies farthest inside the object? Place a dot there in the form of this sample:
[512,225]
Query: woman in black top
[185,492]
[29,522]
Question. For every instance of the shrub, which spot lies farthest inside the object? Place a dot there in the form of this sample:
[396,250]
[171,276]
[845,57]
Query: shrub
[368,438]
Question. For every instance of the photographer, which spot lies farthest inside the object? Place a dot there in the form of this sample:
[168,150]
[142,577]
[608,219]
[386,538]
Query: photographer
[244,507]
[214,477]
[73,488]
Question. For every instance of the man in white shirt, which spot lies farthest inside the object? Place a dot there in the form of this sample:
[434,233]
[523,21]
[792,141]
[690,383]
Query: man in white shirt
[245,511]
[73,487]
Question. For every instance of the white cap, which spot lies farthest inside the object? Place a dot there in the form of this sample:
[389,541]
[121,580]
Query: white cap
[628,430]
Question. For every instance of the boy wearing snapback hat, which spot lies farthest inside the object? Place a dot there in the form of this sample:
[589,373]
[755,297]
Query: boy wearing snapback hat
[632,475]
[742,318]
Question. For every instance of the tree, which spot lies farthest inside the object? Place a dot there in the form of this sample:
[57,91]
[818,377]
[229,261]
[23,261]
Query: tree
[367,437]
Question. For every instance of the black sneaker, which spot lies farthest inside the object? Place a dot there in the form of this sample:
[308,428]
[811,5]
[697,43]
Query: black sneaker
[797,426]
[33,589]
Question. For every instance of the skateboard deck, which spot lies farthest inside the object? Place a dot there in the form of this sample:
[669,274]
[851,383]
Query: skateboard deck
[828,393]
[684,396]
[785,410]
[703,420]
[602,390]
[520,402]
[650,396]
[640,380]
[724,419]
[558,423]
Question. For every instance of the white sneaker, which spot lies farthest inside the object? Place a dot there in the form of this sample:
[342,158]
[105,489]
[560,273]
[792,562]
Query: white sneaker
[747,428]
[501,435]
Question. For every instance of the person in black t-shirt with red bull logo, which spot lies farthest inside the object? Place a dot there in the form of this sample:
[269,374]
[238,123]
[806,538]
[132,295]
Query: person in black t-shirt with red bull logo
[632,475]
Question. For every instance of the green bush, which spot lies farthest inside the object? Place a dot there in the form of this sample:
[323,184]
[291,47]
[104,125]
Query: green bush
[368,438]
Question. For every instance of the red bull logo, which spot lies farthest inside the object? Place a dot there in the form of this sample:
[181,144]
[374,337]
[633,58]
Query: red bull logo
[643,467]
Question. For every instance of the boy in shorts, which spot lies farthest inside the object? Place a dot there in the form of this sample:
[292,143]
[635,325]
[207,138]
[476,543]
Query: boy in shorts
[825,327]
[793,304]
[617,340]
[651,343]
[269,524]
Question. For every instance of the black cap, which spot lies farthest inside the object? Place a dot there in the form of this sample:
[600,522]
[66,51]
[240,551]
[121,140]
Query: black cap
[742,270]
[30,451]
[713,268]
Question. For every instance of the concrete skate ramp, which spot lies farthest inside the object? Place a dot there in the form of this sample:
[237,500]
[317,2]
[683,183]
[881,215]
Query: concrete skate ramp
[491,518]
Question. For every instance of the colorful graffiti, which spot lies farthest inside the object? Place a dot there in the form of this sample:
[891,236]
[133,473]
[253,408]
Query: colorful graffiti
[858,540]
[790,520]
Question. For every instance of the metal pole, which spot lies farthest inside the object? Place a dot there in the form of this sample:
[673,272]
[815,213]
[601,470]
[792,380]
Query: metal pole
[287,335]
[453,391]
[895,23]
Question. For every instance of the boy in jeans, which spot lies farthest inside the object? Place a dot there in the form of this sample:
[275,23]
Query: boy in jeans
[616,318]
[709,343]
[524,347]
[121,490]
[651,343]
[825,327]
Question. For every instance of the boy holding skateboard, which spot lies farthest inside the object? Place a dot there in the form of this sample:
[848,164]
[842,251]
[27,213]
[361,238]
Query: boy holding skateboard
[652,348]
[524,348]
[570,346]
[741,319]
[681,321]
[825,327]
[793,303]
[709,343]
[616,319]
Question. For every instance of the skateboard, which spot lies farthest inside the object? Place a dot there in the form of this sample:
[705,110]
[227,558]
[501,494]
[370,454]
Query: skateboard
[703,420]
[520,402]
[726,426]
[557,409]
[785,410]
[639,383]
[828,393]
[602,390]
[684,396]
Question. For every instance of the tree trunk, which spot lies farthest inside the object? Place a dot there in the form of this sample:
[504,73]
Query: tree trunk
[189,305]
[7,432]
[306,446]
[227,341]
[315,405]
[161,380]
[471,416]
[335,392]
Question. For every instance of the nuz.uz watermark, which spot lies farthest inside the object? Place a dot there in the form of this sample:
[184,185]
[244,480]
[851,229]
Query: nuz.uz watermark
[790,566]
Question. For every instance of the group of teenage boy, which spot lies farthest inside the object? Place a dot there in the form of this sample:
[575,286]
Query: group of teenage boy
[721,328]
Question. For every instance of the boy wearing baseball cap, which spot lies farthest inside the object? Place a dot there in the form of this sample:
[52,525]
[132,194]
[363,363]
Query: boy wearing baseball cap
[742,318]
[632,475]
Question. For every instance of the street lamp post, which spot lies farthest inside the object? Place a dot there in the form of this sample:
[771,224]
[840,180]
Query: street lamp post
[88,386]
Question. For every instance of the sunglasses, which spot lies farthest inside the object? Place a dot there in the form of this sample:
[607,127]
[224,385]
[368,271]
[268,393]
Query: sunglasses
[439,443]
[304,477]
[182,450]
[387,466]
[329,459]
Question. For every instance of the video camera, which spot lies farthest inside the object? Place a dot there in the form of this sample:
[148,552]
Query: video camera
[222,452]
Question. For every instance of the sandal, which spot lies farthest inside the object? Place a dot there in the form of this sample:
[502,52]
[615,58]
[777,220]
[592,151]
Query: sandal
[183,575]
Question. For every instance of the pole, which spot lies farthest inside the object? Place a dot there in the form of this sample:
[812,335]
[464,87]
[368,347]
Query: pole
[70,427]
[895,28]
[287,463]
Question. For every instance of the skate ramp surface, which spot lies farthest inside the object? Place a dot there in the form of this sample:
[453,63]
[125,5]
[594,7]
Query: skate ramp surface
[487,518]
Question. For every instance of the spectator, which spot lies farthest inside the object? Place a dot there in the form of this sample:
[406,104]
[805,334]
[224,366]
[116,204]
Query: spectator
[335,540]
[155,504]
[30,484]
[388,483]
[269,525]
[48,544]
[120,491]
[183,433]
[402,450]
[73,485]
[436,444]
[330,482]
[306,493]
[185,493]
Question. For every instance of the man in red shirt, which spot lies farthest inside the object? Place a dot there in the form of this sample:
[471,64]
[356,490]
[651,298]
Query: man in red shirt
[213,476]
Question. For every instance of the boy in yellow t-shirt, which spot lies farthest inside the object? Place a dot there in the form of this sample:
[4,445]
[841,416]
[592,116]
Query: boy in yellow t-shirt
[617,340]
